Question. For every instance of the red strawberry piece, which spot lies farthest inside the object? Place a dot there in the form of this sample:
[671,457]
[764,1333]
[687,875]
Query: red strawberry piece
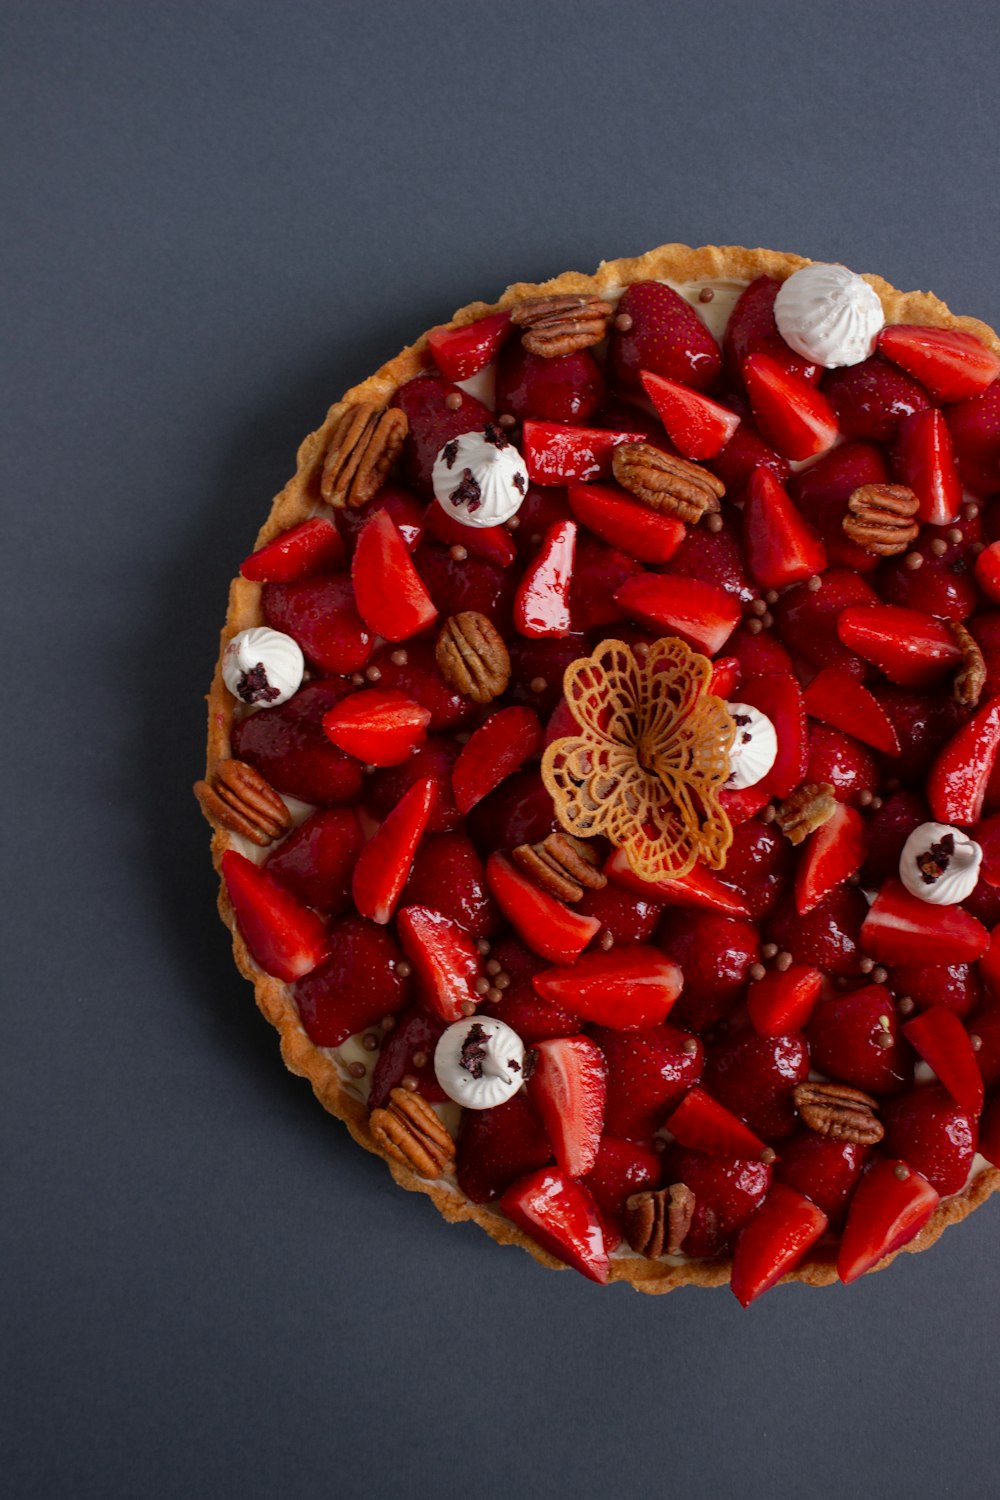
[807,619]
[313,546]
[726,674]
[911,648]
[621,1169]
[412,670]
[984,904]
[985,628]
[760,655]
[499,747]
[943,1043]
[698,612]
[355,986]
[924,459]
[780,698]
[445,960]
[988,839]
[714,557]
[656,330]
[390,594]
[627,989]
[778,1236]
[726,1195]
[781,547]
[407,1051]
[543,506]
[461,352]
[492,544]
[940,585]
[433,422]
[648,1073]
[568,388]
[826,937]
[698,426]
[560,1215]
[448,876]
[378,727]
[783,1000]
[699,888]
[715,954]
[822,491]
[568,1088]
[949,363]
[989,1132]
[455,583]
[752,329]
[823,1170]
[316,860]
[626,918]
[974,425]
[520,811]
[836,697]
[956,788]
[541,607]
[745,452]
[556,453]
[434,760]
[743,803]
[702,1124]
[598,571]
[891,1206]
[923,724]
[792,414]
[988,571]
[830,856]
[933,1135]
[538,666]
[407,512]
[497,1146]
[887,831]
[381,871]
[872,398]
[900,928]
[834,757]
[955,986]
[518,1005]
[548,926]
[284,937]
[984,1025]
[857,1038]
[288,746]
[759,866]
[753,1076]
[320,614]
[622,522]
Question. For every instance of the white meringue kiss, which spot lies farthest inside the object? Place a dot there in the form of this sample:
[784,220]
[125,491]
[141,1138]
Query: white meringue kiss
[480,478]
[829,315]
[960,874]
[755,747]
[484,1047]
[262,667]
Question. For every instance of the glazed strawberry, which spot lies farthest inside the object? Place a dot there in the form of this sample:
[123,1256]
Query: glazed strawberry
[497,1146]
[726,676]
[407,512]
[989,1133]
[320,614]
[807,618]
[436,411]
[745,452]
[715,954]
[316,860]
[933,1135]
[823,1170]
[288,746]
[956,788]
[434,760]
[538,666]
[698,612]
[697,426]
[622,522]
[822,491]
[912,649]
[783,1000]
[781,548]
[699,889]
[888,828]
[988,571]
[943,1043]
[648,1073]
[520,811]
[412,670]
[842,762]
[598,572]
[984,1026]
[285,938]
[541,607]
[826,937]
[378,727]
[872,398]
[923,725]
[985,630]
[448,876]
[556,453]
[355,986]
[752,329]
[759,867]
[753,1076]
[497,749]
[759,654]
[957,987]
[924,459]
[446,963]
[313,546]
[390,595]
[517,1004]
[836,697]
[726,1195]
[456,583]
[461,352]
[974,425]
[742,803]
[857,1038]
[943,584]
[560,1215]
[629,988]
[900,928]
[568,1088]
[568,388]
[624,917]
[492,544]
[950,364]
[779,697]
[778,1236]
[831,854]
[656,330]
[621,1169]
[714,557]
[892,1204]
[382,869]
[548,927]
[407,1052]
[703,1124]
[793,416]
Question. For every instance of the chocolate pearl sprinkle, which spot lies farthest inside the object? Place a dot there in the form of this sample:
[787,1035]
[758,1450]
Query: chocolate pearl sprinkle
[468,1008]
[713,521]
[458,553]
[453,400]
[754,627]
[373,674]
[404,969]
[409,1082]
[769,951]
[757,971]
[419,1059]
[914,560]
[975,1040]
[771,597]
[481,986]
[493,967]
[357,1069]
[623,322]
[502,981]
[906,1006]
[866,965]
[769,813]
[876,804]
[768,1156]
[939,546]
[606,941]
[482,946]
[767,620]
[865,798]
[883,1039]
[689,1047]
[706,294]
[507,420]
[493,995]
[815,584]
[955,535]
[388,1023]
[357,679]
[783,962]
[538,685]
[879,976]
[399,658]
[901,1170]
[513,523]
[758,607]
[370,1042]
[970,510]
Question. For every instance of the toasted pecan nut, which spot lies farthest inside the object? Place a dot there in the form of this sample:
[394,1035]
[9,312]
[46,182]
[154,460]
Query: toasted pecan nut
[970,679]
[410,1131]
[240,799]
[561,865]
[807,809]
[365,442]
[667,484]
[561,324]
[472,657]
[842,1113]
[880,518]
[658,1222]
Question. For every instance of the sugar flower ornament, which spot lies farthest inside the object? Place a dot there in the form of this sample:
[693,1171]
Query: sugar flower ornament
[650,759]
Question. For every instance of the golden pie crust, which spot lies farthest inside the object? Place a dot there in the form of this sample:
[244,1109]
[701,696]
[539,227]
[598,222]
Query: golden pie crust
[298,500]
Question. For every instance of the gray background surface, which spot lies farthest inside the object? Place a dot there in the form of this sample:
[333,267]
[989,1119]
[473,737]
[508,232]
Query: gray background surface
[216,217]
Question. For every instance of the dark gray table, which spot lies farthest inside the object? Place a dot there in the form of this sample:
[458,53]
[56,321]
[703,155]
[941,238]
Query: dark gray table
[217,216]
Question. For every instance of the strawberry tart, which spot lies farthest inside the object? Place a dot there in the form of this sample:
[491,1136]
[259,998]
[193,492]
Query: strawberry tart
[603,769]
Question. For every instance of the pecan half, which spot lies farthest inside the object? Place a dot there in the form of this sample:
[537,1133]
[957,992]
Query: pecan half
[658,1222]
[807,809]
[561,324]
[239,798]
[561,865]
[472,657]
[842,1113]
[410,1131]
[880,518]
[970,679]
[664,483]
[365,441]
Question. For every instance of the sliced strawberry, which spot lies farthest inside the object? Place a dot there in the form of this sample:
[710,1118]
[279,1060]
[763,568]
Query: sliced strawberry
[316,860]
[752,329]
[314,546]
[746,451]
[781,547]
[949,363]
[753,1076]
[943,583]
[497,1146]
[779,697]
[655,329]
[806,617]
[497,749]
[974,425]
[923,723]
[957,987]
[891,1206]
[548,927]
[288,746]
[714,557]
[726,1194]
[699,613]
[390,594]
[568,1087]
[320,614]
[836,697]
[943,1043]
[760,655]
[622,522]
[703,1124]
[857,1038]
[380,728]
[648,1072]
[518,1005]
[621,1169]
[726,674]
[541,607]
[783,1000]
[824,1170]
[626,918]
[742,803]
[699,888]
[778,1236]
[827,937]
[759,867]
[492,544]
[912,649]
[956,788]
[715,954]
[556,453]
[461,352]
[872,398]
[792,414]
[381,871]
[988,571]
[412,670]
[285,938]
[402,505]
[561,1216]
[445,960]
[924,459]
[356,986]
[698,426]
[822,491]
[448,876]
[902,929]
[632,988]
[832,853]
[565,388]
[407,1051]
[436,411]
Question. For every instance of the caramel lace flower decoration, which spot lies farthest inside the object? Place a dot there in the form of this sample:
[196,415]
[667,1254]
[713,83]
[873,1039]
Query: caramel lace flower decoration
[651,757]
